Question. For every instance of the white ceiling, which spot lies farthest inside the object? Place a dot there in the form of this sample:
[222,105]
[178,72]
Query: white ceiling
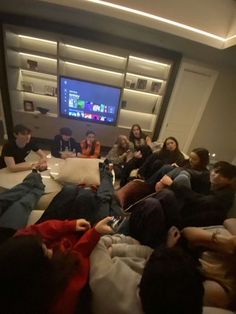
[210,22]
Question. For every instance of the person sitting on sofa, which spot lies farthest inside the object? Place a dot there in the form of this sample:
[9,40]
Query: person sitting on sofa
[121,152]
[142,147]
[196,166]
[64,145]
[90,146]
[15,151]
[121,265]
[44,268]
[169,154]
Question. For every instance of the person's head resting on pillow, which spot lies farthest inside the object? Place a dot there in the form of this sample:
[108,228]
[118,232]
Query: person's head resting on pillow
[223,174]
[171,284]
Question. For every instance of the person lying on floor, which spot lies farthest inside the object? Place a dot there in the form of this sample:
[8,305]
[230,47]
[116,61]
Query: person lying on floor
[139,280]
[44,268]
[74,201]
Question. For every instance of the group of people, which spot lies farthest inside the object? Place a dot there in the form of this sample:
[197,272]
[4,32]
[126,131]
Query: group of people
[163,262]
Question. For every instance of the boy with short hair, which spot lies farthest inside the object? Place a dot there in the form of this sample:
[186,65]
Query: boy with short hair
[14,152]
[64,145]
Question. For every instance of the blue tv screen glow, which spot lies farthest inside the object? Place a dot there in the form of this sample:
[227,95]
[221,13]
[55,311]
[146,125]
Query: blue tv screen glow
[89,101]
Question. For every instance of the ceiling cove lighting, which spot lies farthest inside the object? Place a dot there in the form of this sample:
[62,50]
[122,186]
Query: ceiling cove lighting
[97,52]
[38,39]
[145,77]
[160,19]
[91,68]
[35,56]
[140,92]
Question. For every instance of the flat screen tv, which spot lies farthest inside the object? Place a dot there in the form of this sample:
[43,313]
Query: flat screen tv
[89,101]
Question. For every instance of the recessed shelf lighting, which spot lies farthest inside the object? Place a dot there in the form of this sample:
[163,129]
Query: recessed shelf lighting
[94,69]
[145,77]
[94,51]
[39,74]
[149,61]
[38,39]
[140,92]
[36,56]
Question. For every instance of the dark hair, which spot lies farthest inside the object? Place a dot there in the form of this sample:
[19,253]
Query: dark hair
[90,132]
[20,128]
[131,134]
[225,169]
[171,283]
[66,131]
[93,144]
[173,139]
[29,280]
[203,155]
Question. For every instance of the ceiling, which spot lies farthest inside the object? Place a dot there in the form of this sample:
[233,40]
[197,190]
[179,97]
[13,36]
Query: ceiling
[210,22]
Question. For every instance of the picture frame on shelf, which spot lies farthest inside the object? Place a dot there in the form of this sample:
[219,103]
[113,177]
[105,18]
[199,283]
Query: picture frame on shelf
[49,90]
[132,85]
[28,105]
[27,87]
[32,65]
[128,83]
[155,87]
[141,84]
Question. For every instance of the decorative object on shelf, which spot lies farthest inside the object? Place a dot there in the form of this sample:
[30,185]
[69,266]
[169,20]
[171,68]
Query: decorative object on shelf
[128,83]
[50,90]
[28,105]
[123,104]
[32,65]
[155,87]
[132,85]
[27,87]
[141,84]
[43,110]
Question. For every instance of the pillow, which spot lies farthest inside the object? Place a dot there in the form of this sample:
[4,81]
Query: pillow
[132,192]
[79,171]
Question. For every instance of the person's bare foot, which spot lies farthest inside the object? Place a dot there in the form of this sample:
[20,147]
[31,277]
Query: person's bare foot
[173,236]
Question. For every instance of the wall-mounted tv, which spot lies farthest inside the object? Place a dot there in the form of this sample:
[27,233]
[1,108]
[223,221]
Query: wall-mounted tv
[89,101]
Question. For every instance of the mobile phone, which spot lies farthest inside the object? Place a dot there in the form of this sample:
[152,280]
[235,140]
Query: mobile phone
[116,223]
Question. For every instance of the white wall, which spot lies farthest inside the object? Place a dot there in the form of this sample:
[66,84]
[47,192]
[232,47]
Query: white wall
[217,128]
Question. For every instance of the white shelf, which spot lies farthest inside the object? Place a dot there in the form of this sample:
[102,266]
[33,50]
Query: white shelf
[38,94]
[37,113]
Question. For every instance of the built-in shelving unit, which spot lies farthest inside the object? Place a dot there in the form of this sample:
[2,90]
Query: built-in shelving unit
[34,64]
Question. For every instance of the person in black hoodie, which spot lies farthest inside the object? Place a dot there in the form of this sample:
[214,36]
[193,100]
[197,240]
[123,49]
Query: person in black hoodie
[169,154]
[64,145]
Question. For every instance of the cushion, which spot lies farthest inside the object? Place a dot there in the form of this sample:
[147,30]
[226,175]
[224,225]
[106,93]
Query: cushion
[132,192]
[79,171]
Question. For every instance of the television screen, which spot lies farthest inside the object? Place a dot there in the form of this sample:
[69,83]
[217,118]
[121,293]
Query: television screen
[89,101]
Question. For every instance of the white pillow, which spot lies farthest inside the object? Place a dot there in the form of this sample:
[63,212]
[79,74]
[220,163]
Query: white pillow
[79,171]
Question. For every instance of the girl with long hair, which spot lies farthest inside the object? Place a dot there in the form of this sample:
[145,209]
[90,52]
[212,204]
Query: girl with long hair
[169,154]
[44,268]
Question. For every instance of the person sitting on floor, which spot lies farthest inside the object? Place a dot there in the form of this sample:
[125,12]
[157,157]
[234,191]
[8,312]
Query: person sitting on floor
[169,154]
[44,268]
[64,145]
[15,151]
[121,152]
[90,146]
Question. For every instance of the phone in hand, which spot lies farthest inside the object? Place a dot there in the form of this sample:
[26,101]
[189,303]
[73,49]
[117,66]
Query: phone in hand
[116,223]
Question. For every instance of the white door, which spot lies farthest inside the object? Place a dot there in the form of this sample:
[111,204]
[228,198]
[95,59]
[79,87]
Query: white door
[192,89]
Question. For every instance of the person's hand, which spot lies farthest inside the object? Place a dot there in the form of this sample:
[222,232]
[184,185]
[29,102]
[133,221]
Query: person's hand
[138,154]
[174,165]
[103,227]
[173,236]
[82,225]
[166,180]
